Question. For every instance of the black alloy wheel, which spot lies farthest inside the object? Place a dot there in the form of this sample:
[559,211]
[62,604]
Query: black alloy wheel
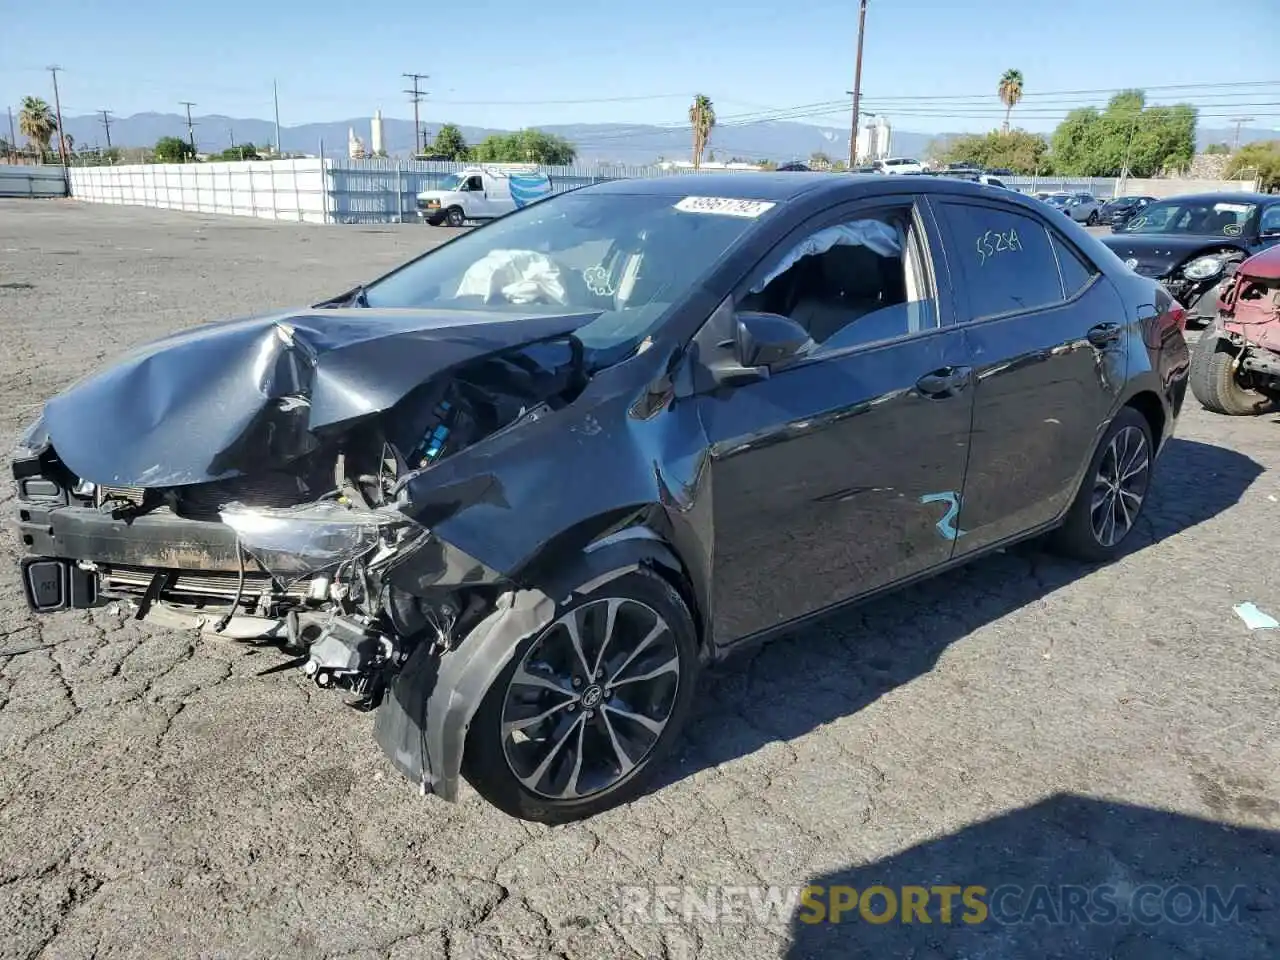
[1109,502]
[589,705]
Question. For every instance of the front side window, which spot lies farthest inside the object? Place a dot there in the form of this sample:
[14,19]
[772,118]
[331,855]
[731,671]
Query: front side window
[627,257]
[1005,259]
[475,184]
[852,283]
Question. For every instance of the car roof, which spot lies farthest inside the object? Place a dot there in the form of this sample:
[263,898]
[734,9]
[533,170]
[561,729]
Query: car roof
[781,187]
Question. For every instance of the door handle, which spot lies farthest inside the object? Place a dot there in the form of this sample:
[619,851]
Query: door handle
[1103,334]
[944,382]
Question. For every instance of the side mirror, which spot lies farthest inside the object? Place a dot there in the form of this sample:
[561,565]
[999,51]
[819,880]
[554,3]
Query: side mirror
[767,340]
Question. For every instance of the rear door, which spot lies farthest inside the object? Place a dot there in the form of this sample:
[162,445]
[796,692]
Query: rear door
[1045,329]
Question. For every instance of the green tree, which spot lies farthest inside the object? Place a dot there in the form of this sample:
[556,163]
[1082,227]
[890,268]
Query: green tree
[37,123]
[702,120]
[1010,91]
[173,150]
[525,146]
[1146,140]
[1017,150]
[819,161]
[1260,160]
[451,143]
[243,151]
[1217,149]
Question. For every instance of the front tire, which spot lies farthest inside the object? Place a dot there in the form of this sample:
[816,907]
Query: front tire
[589,707]
[454,217]
[1107,506]
[1214,382]
[1093,219]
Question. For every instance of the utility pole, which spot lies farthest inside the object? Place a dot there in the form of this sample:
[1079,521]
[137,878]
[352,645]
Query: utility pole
[191,131]
[57,104]
[415,97]
[1128,147]
[106,124]
[1238,121]
[13,137]
[857,87]
[275,95]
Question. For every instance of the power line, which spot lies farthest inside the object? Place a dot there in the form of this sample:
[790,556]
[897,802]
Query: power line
[554,103]
[191,127]
[106,124]
[415,97]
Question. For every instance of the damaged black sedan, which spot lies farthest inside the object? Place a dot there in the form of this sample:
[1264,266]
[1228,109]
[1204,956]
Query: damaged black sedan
[517,493]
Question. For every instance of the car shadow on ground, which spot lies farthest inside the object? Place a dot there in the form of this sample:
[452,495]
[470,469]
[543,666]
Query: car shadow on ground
[841,663]
[1068,877]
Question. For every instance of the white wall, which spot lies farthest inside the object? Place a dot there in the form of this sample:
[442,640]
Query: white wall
[1160,189]
[270,189]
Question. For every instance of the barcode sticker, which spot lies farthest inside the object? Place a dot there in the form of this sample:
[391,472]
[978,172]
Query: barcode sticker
[725,206]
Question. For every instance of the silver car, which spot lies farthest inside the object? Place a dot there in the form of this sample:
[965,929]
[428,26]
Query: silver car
[1083,208]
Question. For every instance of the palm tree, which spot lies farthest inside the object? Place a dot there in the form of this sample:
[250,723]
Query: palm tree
[702,117]
[1010,90]
[36,123]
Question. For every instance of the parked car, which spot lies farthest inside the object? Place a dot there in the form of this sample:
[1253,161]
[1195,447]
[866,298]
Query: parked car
[794,167]
[1116,212]
[519,491]
[1235,366]
[1193,244]
[897,165]
[1083,208]
[481,193]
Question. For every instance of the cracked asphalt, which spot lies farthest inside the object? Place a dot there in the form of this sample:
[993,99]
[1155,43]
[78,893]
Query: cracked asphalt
[1021,721]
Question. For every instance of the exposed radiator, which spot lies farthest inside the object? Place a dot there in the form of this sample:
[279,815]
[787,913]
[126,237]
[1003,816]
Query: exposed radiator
[203,584]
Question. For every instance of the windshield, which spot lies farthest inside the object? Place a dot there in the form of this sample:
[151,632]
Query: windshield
[628,257]
[1058,201]
[1219,218]
[450,181]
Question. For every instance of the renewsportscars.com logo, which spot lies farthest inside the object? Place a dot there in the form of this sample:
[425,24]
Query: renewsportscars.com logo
[1007,904]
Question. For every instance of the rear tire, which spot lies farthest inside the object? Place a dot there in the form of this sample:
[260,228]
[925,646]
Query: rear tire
[590,706]
[1214,382]
[1114,492]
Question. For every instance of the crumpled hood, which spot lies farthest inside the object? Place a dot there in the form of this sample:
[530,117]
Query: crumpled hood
[1157,254]
[222,398]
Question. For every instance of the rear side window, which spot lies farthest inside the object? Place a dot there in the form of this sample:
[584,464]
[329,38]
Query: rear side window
[1005,259]
[1076,271]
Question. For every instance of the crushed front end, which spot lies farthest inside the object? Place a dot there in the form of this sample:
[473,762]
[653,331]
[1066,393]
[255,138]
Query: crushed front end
[1249,318]
[253,481]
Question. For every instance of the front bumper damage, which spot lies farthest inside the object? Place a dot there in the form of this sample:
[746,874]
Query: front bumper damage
[182,574]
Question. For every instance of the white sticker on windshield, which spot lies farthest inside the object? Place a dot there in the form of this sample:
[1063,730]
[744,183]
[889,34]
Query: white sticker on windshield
[725,206]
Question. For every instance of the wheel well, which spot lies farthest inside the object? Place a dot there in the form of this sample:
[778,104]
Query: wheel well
[1148,404]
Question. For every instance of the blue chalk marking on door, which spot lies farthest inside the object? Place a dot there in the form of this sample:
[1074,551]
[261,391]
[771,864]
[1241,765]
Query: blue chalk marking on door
[947,525]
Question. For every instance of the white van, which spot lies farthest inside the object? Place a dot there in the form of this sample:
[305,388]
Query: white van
[481,193]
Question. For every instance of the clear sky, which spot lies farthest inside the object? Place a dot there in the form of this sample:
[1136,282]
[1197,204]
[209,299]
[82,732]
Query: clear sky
[511,63]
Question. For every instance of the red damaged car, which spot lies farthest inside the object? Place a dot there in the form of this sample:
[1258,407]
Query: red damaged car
[1235,368]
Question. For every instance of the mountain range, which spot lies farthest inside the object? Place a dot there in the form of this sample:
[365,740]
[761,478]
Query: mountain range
[603,142]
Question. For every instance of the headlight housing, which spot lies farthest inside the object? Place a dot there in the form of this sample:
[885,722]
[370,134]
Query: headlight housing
[1202,268]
